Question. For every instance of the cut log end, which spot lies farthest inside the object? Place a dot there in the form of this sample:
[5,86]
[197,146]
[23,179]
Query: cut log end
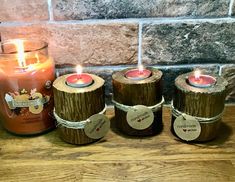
[201,102]
[77,104]
[129,92]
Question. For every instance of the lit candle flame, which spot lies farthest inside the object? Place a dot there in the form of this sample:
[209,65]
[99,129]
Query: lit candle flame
[197,74]
[30,68]
[20,52]
[141,68]
[36,55]
[79,69]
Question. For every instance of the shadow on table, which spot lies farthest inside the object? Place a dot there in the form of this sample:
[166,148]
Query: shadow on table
[117,131]
[55,138]
[224,133]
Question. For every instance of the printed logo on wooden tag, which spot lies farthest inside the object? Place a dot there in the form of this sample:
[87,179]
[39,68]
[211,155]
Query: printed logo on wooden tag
[98,126]
[139,117]
[187,127]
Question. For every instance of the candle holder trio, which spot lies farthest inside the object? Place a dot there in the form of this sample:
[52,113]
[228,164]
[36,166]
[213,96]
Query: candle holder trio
[29,90]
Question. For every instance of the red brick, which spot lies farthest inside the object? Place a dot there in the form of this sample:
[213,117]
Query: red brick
[87,44]
[22,10]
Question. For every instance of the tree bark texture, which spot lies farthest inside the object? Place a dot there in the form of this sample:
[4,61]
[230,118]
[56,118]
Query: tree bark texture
[77,104]
[129,92]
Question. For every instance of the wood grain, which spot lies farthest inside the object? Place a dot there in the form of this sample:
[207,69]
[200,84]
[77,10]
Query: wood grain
[129,92]
[75,104]
[121,171]
[201,102]
[120,158]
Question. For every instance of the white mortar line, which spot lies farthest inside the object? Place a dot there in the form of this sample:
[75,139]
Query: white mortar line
[118,67]
[230,11]
[148,20]
[140,45]
[128,20]
[220,70]
[50,10]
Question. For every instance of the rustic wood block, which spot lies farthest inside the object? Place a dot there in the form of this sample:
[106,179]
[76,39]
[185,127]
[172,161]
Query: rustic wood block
[146,92]
[77,104]
[200,102]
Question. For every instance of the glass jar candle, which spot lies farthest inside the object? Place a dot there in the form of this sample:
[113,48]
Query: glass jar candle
[26,76]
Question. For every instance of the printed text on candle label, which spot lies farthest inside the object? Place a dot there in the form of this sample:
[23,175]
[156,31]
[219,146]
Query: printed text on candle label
[140,117]
[32,100]
[187,127]
[97,127]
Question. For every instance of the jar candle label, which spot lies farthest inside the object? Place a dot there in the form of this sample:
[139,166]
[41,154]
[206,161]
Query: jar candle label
[33,101]
[98,126]
[139,117]
[187,127]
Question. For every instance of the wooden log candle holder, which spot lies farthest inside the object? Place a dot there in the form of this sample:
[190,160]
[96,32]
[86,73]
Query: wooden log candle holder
[129,93]
[76,105]
[196,111]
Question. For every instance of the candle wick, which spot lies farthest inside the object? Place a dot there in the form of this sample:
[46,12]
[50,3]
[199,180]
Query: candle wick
[141,69]
[198,78]
[20,53]
[79,72]
[79,76]
[197,75]
[141,72]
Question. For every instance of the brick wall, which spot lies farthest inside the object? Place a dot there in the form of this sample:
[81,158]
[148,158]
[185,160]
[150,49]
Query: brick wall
[177,35]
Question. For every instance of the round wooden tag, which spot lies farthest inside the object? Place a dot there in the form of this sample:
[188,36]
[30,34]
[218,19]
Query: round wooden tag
[187,127]
[139,117]
[98,126]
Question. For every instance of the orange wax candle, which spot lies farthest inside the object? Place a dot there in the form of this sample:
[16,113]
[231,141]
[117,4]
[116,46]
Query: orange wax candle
[26,75]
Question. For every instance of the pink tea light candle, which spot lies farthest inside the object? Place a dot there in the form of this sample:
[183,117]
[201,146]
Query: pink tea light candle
[201,80]
[138,74]
[79,79]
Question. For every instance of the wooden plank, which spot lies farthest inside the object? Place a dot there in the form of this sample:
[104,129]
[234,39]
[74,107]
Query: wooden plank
[118,157]
[162,146]
[121,171]
[233,162]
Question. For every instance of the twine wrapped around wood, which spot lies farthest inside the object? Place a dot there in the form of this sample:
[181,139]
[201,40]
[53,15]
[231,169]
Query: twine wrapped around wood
[147,92]
[126,108]
[74,124]
[77,104]
[200,103]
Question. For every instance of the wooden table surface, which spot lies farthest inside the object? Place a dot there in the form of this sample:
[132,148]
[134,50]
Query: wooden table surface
[120,158]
